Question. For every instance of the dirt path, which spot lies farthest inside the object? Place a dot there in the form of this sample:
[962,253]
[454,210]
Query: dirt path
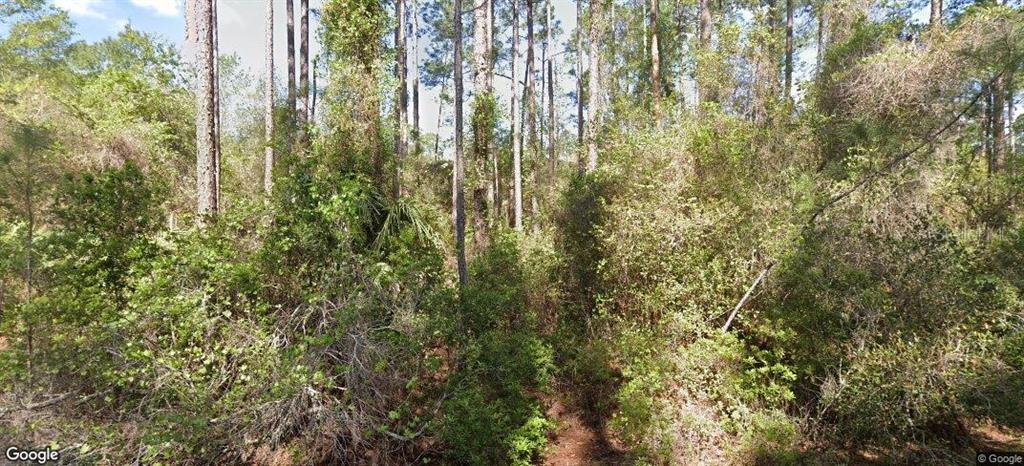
[580,440]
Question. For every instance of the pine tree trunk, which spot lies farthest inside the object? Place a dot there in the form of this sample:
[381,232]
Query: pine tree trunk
[655,63]
[552,133]
[416,76]
[1011,137]
[530,93]
[303,92]
[458,171]
[788,89]
[517,136]
[216,104]
[291,60]
[206,143]
[705,87]
[481,122]
[998,124]
[579,76]
[268,104]
[594,91]
[401,100]
[935,19]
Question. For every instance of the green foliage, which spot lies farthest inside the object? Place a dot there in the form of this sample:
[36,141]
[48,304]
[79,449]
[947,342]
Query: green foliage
[504,365]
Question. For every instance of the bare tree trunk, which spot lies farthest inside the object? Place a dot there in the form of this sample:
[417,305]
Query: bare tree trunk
[440,112]
[594,91]
[416,76]
[530,93]
[1010,110]
[552,133]
[291,60]
[268,104]
[517,141]
[706,91]
[303,98]
[401,100]
[313,91]
[655,63]
[458,171]
[494,188]
[206,143]
[998,124]
[935,20]
[481,122]
[579,76]
[217,152]
[788,90]
[820,52]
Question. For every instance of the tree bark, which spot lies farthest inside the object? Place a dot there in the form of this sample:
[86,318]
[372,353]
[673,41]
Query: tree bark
[594,91]
[530,92]
[458,171]
[206,144]
[481,122]
[935,19]
[788,89]
[706,90]
[579,76]
[416,76]
[998,124]
[401,100]
[291,60]
[268,103]
[1011,137]
[655,63]
[517,141]
[303,97]
[216,103]
[552,133]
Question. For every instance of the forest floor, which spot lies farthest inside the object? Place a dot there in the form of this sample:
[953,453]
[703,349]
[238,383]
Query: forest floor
[582,438]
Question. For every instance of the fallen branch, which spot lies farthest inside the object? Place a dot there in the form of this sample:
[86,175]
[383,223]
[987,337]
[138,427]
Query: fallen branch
[746,296]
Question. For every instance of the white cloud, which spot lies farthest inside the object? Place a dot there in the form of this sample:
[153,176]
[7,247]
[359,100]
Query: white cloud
[85,8]
[161,7]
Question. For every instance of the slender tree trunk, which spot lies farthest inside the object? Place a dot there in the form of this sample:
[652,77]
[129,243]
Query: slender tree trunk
[707,90]
[517,136]
[655,63]
[416,76]
[440,112]
[217,152]
[542,80]
[935,19]
[820,55]
[494,188]
[788,90]
[458,171]
[313,91]
[594,91]
[401,99]
[291,60]
[481,122]
[303,98]
[579,76]
[268,103]
[998,124]
[206,143]
[1011,137]
[530,93]
[552,132]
